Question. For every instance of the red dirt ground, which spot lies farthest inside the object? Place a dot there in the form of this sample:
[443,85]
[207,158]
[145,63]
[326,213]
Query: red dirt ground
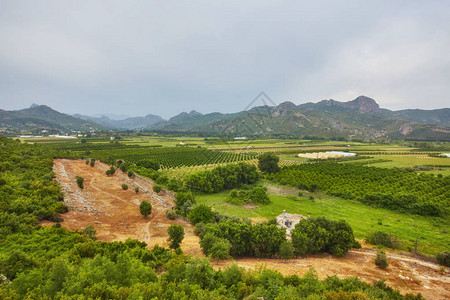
[115,215]
[114,212]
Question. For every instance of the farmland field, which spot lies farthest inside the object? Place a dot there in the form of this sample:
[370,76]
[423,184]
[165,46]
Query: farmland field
[113,213]
[431,232]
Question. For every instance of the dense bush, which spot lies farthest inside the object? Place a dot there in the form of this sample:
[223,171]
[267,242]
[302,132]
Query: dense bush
[215,247]
[145,208]
[257,195]
[201,213]
[247,239]
[111,171]
[184,202]
[268,163]
[221,178]
[174,185]
[176,235]
[171,214]
[157,188]
[286,250]
[124,186]
[381,238]
[322,235]
[443,258]
[381,260]
[80,182]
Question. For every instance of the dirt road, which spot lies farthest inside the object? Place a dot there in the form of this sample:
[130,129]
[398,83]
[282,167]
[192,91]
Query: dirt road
[115,215]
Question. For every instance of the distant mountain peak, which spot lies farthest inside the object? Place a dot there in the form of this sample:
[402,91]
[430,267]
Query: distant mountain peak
[362,104]
[34,105]
[287,105]
[184,115]
[283,109]
[194,113]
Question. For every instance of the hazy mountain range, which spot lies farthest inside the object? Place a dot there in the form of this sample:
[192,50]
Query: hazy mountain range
[359,118]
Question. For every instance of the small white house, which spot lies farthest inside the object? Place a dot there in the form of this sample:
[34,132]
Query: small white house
[289,221]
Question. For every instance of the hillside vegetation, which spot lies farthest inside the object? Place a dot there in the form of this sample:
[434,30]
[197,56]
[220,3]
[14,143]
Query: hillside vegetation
[52,262]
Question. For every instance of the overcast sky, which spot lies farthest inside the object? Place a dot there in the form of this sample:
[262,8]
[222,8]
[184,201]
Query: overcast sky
[165,57]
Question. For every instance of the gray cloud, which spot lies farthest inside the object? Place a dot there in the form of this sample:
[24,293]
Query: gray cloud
[164,57]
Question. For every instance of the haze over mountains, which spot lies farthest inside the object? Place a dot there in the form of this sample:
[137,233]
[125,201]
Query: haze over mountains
[359,118]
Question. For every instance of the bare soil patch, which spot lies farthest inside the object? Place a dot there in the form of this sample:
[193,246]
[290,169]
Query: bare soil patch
[409,275]
[114,212]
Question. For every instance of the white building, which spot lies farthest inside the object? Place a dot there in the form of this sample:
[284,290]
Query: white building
[289,221]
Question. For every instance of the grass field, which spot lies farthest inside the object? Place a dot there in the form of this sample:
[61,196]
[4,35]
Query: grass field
[409,161]
[432,233]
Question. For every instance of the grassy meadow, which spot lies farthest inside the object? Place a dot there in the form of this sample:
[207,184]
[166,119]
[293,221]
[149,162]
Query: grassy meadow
[432,233]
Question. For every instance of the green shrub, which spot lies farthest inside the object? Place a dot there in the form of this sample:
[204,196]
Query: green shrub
[130,173]
[162,179]
[92,162]
[136,189]
[171,214]
[201,213]
[257,195]
[199,228]
[317,235]
[174,185]
[286,250]
[356,245]
[124,186]
[80,182]
[381,238]
[110,171]
[381,260]
[268,163]
[176,235]
[157,188]
[145,208]
[443,258]
[220,249]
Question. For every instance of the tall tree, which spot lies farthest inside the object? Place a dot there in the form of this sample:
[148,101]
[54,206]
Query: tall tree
[145,208]
[176,235]
[268,163]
